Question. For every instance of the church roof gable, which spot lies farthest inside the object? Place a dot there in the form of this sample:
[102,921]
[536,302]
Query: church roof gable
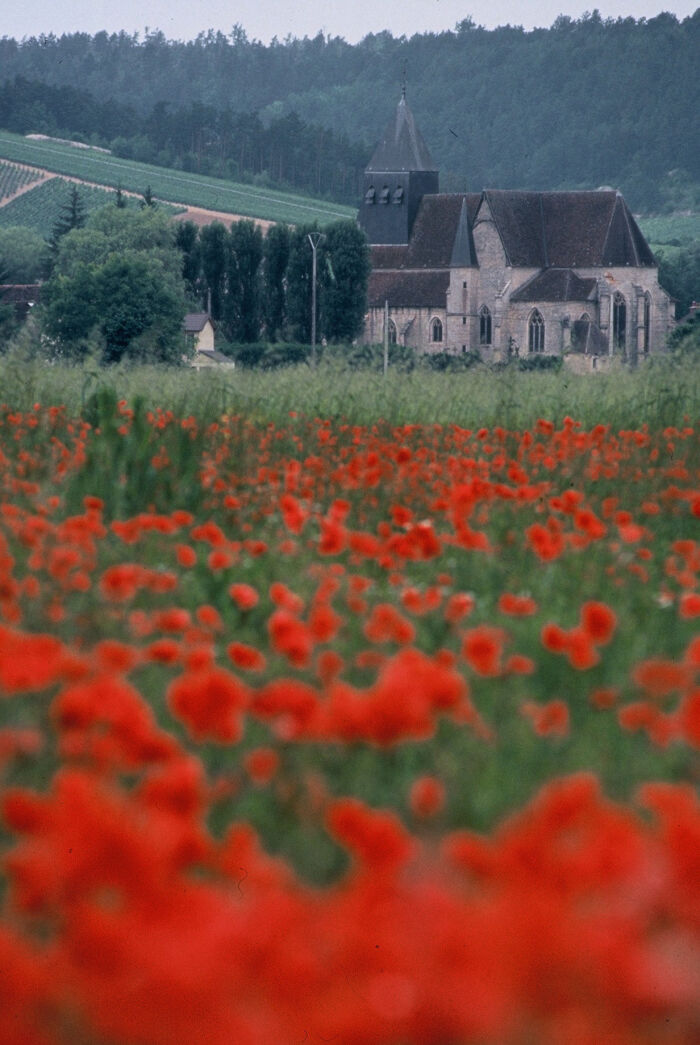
[402,147]
[402,289]
[556,284]
[568,229]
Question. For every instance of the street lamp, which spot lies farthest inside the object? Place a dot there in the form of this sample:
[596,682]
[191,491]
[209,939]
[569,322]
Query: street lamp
[314,239]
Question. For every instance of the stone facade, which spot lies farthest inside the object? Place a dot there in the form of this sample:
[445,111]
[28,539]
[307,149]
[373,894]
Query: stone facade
[504,272]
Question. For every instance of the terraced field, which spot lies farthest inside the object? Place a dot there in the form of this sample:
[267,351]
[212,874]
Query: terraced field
[39,208]
[14,179]
[178,187]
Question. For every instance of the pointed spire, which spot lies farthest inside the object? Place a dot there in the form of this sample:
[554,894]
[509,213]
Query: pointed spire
[402,147]
[463,252]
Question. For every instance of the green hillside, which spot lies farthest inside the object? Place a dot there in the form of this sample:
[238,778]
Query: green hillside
[40,208]
[192,190]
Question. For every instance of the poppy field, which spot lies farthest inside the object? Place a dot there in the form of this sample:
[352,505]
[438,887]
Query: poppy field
[315,730]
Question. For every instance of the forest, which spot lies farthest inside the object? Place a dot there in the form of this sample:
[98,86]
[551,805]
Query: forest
[564,107]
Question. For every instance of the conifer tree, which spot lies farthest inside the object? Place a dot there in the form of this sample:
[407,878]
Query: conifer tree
[72,216]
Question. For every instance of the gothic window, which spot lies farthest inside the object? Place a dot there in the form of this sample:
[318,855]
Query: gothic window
[384,195]
[647,323]
[436,330]
[392,332]
[536,332]
[619,321]
[370,195]
[398,195]
[484,326]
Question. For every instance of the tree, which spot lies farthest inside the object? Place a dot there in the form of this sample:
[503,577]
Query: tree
[140,309]
[344,281]
[187,240]
[242,311]
[120,198]
[121,278]
[679,274]
[274,269]
[148,199]
[24,256]
[213,241]
[72,216]
[299,283]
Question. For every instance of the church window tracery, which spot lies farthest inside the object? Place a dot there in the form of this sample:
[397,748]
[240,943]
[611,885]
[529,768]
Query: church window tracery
[484,326]
[436,330]
[392,332]
[536,332]
[619,321]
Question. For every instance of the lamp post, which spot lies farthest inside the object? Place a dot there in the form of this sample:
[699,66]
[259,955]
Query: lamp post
[314,239]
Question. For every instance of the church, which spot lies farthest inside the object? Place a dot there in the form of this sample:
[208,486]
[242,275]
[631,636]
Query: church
[503,273]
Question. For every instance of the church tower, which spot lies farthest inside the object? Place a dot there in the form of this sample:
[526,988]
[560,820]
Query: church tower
[399,174]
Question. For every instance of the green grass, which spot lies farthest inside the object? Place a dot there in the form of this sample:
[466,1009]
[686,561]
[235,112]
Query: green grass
[193,190]
[40,208]
[660,393]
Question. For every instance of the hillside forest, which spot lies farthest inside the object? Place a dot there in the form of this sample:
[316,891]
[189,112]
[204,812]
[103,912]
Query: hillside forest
[559,108]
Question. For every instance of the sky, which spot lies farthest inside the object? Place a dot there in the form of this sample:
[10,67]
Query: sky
[263,19]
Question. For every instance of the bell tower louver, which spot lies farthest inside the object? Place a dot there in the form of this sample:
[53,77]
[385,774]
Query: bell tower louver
[399,174]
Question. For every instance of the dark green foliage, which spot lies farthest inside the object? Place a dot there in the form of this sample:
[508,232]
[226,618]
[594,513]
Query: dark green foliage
[148,199]
[345,277]
[450,360]
[299,269]
[263,356]
[685,339]
[24,256]
[242,312]
[118,278]
[275,258]
[120,198]
[538,361]
[214,248]
[679,274]
[140,311]
[187,239]
[72,216]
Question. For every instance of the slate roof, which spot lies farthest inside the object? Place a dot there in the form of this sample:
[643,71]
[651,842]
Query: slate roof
[408,289]
[402,147]
[194,322]
[441,233]
[556,284]
[567,229]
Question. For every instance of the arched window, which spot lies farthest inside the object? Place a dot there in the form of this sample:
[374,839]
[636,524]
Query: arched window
[392,332]
[370,195]
[536,332]
[647,323]
[619,321]
[484,326]
[436,330]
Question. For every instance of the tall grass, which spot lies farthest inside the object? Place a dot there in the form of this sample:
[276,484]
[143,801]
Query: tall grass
[660,393]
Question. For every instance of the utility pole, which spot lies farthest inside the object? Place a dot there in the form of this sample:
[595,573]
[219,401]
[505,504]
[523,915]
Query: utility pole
[386,337]
[314,239]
